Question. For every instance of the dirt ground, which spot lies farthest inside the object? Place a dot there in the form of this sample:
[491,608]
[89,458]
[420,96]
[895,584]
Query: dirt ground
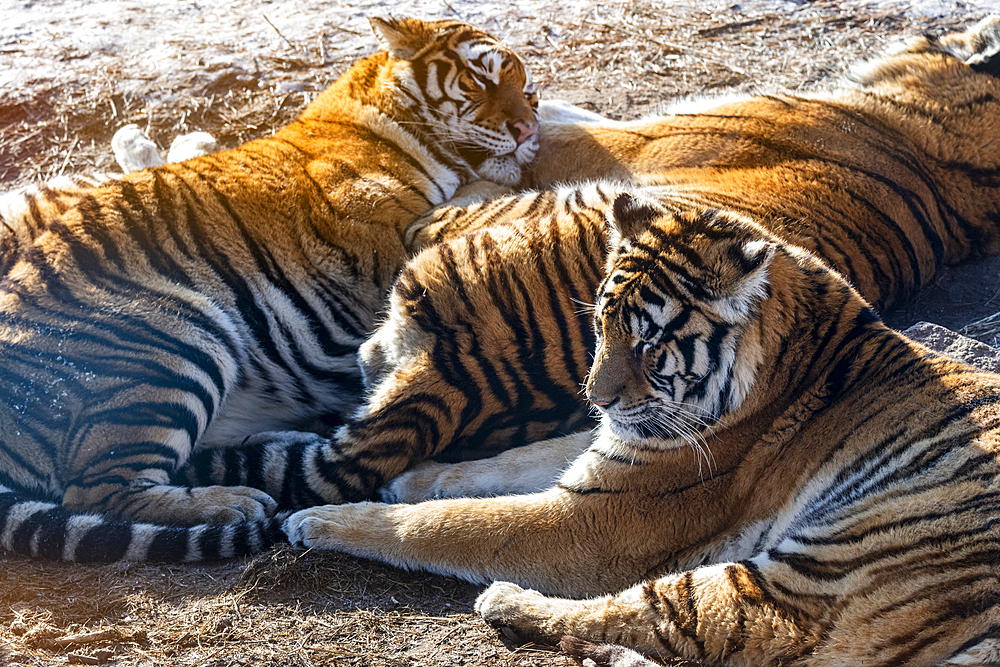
[622,59]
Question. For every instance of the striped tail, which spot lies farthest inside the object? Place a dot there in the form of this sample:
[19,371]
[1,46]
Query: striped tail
[47,530]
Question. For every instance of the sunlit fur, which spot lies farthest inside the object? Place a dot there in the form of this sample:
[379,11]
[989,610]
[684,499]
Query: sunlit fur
[884,176]
[853,517]
[196,304]
[23,213]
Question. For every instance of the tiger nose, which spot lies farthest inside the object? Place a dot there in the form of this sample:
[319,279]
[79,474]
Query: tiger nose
[524,131]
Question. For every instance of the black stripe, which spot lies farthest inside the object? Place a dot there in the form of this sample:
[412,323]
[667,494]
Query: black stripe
[105,543]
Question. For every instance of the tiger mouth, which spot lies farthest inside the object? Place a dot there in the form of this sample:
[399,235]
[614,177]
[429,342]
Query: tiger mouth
[635,423]
[658,424]
[477,156]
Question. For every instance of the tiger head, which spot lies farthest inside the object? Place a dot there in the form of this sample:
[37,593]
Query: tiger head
[674,321]
[469,91]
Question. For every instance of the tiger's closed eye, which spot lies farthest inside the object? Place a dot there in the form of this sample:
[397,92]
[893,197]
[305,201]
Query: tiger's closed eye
[469,82]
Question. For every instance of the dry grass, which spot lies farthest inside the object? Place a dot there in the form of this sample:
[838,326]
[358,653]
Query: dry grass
[291,608]
[623,62]
[283,608]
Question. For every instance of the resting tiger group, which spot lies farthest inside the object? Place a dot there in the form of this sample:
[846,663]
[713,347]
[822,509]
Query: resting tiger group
[631,372]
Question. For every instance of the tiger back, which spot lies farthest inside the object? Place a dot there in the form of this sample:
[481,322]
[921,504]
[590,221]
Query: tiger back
[886,174]
[198,303]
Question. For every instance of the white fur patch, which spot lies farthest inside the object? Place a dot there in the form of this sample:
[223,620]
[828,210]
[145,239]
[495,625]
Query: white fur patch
[443,180]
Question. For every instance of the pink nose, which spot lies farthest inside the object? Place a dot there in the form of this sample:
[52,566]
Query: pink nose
[524,131]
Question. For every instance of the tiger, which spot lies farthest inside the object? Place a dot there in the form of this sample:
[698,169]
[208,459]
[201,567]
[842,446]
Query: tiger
[852,513]
[487,338]
[196,304]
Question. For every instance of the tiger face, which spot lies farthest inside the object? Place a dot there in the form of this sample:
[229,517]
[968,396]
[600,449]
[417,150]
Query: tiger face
[474,94]
[671,315]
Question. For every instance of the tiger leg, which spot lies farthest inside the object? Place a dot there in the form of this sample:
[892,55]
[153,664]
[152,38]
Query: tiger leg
[719,614]
[557,540]
[141,491]
[120,461]
[300,469]
[525,469]
[296,468]
[761,612]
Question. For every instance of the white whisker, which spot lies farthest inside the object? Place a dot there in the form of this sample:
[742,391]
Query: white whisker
[587,308]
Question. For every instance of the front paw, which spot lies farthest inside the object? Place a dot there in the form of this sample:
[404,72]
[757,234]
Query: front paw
[317,527]
[231,504]
[361,529]
[515,611]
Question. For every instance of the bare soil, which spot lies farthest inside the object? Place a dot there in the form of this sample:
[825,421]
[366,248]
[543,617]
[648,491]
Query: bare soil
[622,59]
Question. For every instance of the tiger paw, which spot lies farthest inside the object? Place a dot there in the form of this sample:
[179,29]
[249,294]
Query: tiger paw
[429,480]
[306,528]
[191,145]
[230,504]
[133,150]
[602,655]
[527,615]
[507,605]
[165,504]
[347,528]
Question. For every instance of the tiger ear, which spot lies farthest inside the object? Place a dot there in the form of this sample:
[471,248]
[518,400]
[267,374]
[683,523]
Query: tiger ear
[746,283]
[630,215]
[754,256]
[403,38]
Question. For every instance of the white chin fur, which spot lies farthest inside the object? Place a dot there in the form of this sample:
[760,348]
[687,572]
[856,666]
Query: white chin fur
[613,438]
[506,169]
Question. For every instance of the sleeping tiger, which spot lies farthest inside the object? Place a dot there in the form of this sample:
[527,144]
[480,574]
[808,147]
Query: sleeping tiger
[192,305]
[852,513]
[487,338]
